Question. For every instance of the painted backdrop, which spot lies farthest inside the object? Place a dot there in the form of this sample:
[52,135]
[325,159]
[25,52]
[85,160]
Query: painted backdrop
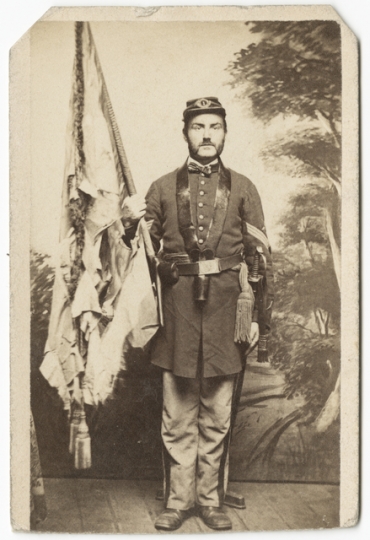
[281,86]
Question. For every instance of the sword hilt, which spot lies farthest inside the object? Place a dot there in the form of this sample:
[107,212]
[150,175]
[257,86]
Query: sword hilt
[254,275]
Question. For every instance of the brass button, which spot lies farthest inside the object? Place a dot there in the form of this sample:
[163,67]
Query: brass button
[202,182]
[201,193]
[201,216]
[201,240]
[200,205]
[201,227]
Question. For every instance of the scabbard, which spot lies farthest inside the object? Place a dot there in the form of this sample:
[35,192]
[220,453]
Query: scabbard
[259,289]
[262,351]
[158,286]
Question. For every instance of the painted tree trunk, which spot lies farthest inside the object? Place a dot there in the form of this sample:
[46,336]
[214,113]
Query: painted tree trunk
[330,411]
[333,246]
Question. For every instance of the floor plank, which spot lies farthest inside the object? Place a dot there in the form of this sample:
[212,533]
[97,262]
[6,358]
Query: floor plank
[95,508]
[320,500]
[128,506]
[236,519]
[288,503]
[60,496]
[260,514]
[149,489]
[333,491]
[202,527]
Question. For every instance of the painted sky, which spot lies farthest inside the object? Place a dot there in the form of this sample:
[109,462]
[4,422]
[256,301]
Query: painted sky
[151,70]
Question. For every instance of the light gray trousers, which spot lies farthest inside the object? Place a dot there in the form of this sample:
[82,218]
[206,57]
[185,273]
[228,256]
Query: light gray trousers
[196,436]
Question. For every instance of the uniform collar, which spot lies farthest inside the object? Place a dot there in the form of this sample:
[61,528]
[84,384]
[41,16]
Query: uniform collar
[192,160]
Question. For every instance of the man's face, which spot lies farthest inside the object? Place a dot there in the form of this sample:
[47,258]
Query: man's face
[205,137]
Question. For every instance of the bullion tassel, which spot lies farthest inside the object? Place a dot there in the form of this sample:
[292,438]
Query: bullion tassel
[74,425]
[83,443]
[244,309]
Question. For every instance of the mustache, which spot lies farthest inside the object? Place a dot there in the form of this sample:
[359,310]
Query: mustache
[207,144]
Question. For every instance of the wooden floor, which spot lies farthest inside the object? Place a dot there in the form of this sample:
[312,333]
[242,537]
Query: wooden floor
[129,506]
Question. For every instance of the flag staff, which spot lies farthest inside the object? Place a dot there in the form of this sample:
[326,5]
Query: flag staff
[126,171]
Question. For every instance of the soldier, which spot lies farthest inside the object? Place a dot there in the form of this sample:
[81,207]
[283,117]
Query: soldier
[210,221]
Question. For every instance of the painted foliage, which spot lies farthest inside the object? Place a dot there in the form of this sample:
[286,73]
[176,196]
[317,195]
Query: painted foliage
[292,73]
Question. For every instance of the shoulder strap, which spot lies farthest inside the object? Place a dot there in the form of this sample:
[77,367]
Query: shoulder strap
[184,217]
[220,208]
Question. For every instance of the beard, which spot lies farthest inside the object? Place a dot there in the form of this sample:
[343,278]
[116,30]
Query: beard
[195,148]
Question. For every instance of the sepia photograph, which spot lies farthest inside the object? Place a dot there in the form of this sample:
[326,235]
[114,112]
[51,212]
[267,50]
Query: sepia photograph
[188,324]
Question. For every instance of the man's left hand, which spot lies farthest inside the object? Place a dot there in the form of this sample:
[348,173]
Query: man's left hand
[255,335]
[133,209]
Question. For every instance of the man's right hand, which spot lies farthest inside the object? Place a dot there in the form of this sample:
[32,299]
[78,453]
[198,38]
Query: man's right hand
[133,209]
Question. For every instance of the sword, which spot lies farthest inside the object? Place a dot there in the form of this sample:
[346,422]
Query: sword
[256,281]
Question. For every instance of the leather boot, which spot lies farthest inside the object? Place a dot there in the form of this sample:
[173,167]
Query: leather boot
[215,518]
[170,519]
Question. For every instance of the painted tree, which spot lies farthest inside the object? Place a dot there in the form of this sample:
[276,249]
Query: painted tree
[294,69]
[304,343]
[42,278]
[305,223]
[310,152]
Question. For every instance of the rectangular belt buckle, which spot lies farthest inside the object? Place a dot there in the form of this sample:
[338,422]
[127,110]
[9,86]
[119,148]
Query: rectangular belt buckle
[209,267]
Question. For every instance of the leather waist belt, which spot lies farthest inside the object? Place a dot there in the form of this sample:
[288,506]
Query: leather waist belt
[212,266]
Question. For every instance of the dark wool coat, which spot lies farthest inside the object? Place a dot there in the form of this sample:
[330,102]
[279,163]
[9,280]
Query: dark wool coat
[196,340]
